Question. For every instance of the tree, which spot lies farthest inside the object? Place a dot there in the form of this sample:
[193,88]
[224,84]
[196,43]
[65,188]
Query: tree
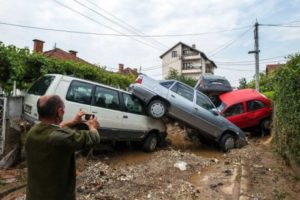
[173,74]
[243,83]
[19,65]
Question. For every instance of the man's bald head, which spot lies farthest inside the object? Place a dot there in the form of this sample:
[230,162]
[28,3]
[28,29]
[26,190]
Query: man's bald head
[47,106]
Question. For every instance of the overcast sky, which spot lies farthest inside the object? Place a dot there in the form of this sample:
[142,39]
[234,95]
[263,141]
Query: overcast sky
[228,49]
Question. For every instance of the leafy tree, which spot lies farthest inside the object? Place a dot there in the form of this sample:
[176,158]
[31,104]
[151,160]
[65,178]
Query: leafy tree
[173,74]
[265,82]
[21,66]
[243,83]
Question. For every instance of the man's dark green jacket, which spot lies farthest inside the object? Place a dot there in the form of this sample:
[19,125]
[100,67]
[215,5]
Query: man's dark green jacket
[51,160]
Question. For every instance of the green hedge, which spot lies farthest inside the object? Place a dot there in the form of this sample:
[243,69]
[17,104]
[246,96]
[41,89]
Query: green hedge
[23,67]
[286,84]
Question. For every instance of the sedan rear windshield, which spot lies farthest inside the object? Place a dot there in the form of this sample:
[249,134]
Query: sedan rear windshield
[217,82]
[166,84]
[41,85]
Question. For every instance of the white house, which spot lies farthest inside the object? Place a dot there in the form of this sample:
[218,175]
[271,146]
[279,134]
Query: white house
[187,60]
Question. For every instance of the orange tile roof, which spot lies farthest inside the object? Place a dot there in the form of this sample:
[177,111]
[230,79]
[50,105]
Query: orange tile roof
[63,55]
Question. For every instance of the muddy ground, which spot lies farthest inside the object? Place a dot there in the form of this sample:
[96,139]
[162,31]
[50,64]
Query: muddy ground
[184,170]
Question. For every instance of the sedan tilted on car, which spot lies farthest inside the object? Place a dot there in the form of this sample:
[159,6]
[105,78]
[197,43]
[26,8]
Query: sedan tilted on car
[183,103]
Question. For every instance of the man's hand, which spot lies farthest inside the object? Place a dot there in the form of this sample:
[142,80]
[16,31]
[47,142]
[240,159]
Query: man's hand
[93,123]
[78,117]
[76,120]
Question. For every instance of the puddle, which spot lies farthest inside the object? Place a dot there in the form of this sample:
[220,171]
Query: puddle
[130,157]
[200,178]
[180,142]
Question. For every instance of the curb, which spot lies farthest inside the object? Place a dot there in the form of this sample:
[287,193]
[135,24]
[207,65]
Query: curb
[243,182]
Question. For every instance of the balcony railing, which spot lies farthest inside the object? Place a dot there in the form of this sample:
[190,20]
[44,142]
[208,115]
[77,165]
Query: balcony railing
[191,57]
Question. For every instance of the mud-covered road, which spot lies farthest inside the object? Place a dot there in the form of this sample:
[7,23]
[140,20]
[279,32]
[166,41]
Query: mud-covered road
[184,170]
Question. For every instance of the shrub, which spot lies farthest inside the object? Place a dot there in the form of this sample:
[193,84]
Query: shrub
[287,108]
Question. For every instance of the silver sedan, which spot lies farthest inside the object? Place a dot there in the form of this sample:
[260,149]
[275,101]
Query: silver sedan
[176,100]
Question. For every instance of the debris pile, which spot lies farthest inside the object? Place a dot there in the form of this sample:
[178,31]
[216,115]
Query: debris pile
[157,178]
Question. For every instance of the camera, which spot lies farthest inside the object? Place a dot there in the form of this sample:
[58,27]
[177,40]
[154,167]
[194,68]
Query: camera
[88,116]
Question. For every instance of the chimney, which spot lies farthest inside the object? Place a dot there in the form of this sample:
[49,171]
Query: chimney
[194,46]
[121,68]
[135,69]
[73,53]
[38,46]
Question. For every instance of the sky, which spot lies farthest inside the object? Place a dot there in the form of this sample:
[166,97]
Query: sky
[223,30]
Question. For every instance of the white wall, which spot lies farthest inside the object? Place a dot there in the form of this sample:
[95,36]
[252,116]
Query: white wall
[171,62]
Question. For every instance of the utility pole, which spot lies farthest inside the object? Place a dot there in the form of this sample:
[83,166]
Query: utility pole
[256,54]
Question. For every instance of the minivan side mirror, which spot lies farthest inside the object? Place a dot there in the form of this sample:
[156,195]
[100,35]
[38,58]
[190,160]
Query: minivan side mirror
[214,111]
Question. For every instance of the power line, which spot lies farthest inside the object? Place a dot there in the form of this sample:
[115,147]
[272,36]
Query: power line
[233,69]
[99,23]
[117,20]
[152,68]
[227,44]
[250,64]
[197,34]
[251,61]
[280,25]
[85,32]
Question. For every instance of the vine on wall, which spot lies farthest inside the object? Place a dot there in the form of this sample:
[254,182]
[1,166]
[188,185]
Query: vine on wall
[286,84]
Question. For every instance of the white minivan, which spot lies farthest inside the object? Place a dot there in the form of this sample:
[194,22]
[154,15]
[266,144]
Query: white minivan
[122,116]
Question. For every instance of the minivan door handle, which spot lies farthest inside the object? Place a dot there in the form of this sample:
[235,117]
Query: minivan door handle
[125,116]
[196,109]
[172,95]
[94,112]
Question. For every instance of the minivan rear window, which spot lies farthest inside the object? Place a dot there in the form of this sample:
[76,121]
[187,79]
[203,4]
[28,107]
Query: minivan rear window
[41,85]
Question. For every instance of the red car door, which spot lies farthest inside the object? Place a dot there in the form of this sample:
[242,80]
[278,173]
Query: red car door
[256,111]
[237,115]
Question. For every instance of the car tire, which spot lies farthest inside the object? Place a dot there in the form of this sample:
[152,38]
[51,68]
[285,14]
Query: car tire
[265,125]
[227,142]
[150,143]
[157,109]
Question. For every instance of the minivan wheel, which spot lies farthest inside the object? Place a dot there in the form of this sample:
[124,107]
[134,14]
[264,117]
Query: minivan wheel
[227,142]
[150,143]
[157,109]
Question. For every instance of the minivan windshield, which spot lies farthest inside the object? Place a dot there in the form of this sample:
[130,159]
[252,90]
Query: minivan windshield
[41,85]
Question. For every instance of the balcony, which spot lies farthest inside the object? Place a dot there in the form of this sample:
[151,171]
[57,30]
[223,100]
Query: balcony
[191,70]
[191,57]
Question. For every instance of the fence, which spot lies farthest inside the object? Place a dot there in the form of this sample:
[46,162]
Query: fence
[3,107]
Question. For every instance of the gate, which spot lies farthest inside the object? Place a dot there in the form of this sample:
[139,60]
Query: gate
[3,102]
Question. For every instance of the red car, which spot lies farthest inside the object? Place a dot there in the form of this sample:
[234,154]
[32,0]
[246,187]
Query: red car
[246,108]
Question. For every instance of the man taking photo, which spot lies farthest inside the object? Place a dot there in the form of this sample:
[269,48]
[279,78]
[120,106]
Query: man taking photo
[50,151]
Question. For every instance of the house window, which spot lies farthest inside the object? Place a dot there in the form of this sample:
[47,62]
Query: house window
[209,69]
[185,52]
[174,53]
[187,66]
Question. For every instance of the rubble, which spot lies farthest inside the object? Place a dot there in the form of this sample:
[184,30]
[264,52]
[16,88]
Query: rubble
[156,178]
[180,165]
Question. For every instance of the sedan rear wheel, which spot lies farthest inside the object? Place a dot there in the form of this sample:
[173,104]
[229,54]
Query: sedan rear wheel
[227,142]
[157,109]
